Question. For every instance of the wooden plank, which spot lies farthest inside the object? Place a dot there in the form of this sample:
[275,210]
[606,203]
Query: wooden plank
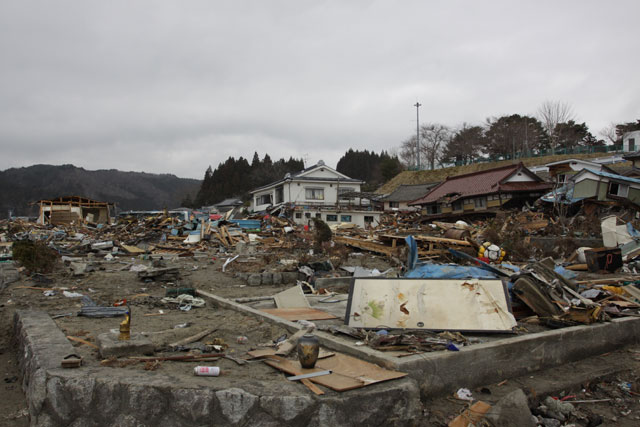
[632,290]
[348,373]
[368,373]
[299,313]
[364,244]
[132,249]
[577,267]
[472,415]
[334,381]
[311,386]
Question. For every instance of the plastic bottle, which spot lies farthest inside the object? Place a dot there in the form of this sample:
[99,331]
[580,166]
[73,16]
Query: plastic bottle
[206,371]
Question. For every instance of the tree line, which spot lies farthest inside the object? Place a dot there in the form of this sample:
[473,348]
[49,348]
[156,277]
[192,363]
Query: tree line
[553,129]
[234,178]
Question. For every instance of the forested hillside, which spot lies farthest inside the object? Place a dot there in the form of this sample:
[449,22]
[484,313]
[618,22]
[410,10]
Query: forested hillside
[129,190]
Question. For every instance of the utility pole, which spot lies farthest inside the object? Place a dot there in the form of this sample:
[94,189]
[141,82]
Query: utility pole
[417,105]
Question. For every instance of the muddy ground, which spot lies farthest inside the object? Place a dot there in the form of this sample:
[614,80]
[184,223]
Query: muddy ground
[618,384]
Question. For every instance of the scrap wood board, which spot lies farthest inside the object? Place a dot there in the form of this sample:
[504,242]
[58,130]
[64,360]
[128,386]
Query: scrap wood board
[452,304]
[299,313]
[347,373]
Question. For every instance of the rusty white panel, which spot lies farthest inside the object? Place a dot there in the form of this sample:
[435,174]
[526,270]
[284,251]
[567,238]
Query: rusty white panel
[460,305]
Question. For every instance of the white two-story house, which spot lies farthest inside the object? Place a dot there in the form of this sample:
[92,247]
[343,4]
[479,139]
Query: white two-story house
[317,192]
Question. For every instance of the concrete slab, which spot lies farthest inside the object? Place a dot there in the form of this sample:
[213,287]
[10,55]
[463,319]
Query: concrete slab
[137,345]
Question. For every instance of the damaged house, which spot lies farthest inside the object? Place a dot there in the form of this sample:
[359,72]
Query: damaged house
[317,192]
[68,209]
[483,191]
[604,186]
[400,198]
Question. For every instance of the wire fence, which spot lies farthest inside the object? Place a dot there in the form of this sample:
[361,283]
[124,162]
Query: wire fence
[531,153]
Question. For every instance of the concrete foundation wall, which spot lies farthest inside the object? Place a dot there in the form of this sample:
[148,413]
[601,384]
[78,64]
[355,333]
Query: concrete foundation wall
[96,396]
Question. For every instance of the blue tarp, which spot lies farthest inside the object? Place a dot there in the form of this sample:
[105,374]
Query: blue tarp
[562,195]
[251,224]
[413,252]
[449,271]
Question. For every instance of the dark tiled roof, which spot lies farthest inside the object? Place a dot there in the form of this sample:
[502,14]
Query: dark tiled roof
[408,193]
[482,182]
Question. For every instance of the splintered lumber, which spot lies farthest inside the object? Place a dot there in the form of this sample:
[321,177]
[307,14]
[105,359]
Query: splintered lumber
[193,338]
[80,340]
[287,346]
[365,244]
[442,240]
[185,357]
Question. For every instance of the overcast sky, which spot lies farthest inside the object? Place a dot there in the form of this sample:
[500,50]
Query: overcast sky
[176,86]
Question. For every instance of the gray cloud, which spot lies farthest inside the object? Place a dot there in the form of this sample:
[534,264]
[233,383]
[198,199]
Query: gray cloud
[173,87]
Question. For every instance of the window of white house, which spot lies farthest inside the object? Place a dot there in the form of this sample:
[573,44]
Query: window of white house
[264,199]
[620,190]
[319,215]
[394,204]
[345,218]
[314,193]
[298,215]
[332,218]
[480,202]
[368,219]
[307,214]
[632,144]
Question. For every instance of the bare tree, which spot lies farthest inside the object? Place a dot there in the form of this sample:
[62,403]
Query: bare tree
[407,152]
[552,113]
[435,137]
[609,133]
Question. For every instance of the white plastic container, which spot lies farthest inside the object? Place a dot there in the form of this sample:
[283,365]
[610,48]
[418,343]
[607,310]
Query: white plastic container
[206,371]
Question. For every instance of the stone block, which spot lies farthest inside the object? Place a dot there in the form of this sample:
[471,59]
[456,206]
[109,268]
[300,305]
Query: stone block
[511,410]
[267,278]
[289,277]
[277,278]
[254,279]
[110,346]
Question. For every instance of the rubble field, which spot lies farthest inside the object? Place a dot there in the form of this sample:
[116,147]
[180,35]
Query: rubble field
[89,279]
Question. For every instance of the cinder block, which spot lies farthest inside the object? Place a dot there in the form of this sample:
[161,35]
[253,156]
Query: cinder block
[110,346]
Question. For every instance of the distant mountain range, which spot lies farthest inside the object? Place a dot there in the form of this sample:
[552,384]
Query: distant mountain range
[129,190]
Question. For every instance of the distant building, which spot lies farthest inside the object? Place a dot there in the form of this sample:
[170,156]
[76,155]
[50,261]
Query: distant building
[317,192]
[483,191]
[400,197]
[631,141]
[228,204]
[68,209]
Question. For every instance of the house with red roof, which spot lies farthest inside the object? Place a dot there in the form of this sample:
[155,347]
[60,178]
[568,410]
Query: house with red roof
[487,190]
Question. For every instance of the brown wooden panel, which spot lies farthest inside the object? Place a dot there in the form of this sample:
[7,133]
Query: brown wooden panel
[299,313]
